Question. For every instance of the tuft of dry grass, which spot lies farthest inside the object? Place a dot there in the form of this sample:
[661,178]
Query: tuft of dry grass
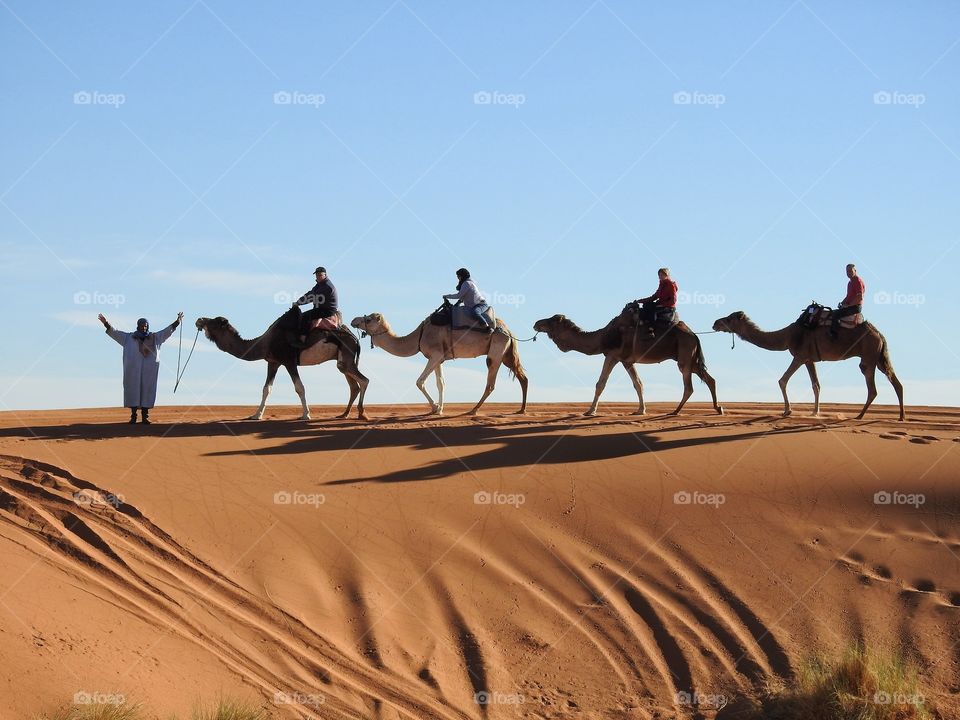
[221,710]
[860,685]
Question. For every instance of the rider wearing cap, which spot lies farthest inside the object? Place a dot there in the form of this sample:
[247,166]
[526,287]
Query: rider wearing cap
[323,296]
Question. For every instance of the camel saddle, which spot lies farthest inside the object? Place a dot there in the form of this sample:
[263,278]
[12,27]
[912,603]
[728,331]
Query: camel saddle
[817,315]
[320,329]
[662,321]
[457,317]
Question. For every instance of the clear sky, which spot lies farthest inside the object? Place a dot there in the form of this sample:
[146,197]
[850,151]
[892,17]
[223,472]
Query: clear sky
[204,156]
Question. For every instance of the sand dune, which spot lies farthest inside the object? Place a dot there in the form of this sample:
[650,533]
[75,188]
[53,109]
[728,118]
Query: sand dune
[554,565]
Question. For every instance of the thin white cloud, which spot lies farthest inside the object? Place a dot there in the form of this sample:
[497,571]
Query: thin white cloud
[262,284]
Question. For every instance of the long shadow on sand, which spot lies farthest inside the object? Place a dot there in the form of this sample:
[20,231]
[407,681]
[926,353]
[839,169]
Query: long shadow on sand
[512,446]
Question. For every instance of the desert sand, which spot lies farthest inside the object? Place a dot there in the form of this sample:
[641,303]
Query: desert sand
[561,566]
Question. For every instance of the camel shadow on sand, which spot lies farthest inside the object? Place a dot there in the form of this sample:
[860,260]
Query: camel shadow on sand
[498,447]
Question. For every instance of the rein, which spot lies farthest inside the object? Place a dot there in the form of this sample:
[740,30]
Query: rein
[733,336]
[190,355]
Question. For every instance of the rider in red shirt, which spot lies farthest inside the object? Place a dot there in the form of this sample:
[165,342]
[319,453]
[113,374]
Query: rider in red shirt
[852,303]
[663,303]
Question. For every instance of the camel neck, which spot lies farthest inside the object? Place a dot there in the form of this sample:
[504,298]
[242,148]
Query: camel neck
[768,340]
[588,342]
[401,346]
[255,349]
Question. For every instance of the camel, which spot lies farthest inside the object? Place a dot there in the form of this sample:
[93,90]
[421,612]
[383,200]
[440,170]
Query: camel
[439,343]
[274,347]
[621,342]
[809,346]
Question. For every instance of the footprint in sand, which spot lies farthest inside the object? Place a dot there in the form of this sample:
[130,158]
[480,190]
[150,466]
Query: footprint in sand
[890,436]
[925,586]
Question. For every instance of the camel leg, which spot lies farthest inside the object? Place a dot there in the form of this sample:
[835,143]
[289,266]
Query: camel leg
[432,364]
[869,372]
[687,372]
[363,381]
[887,370]
[815,383]
[358,385]
[608,363]
[493,367]
[897,388]
[354,391]
[794,366]
[271,374]
[712,386]
[439,375]
[298,386]
[637,385]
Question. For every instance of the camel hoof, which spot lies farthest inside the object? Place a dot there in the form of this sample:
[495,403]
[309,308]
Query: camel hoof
[361,416]
[719,409]
[306,417]
[590,413]
[343,416]
[641,411]
[254,417]
[787,413]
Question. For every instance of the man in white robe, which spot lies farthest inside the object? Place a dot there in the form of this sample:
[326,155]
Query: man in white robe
[141,364]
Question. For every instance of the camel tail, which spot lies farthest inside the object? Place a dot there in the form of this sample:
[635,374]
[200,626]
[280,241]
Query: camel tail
[699,361]
[884,363]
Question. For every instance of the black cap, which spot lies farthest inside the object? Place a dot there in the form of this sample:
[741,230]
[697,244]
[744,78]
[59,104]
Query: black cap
[321,268]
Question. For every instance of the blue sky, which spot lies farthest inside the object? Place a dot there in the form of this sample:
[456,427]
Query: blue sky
[204,156]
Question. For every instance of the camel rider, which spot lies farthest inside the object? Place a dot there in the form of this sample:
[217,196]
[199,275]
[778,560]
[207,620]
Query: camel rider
[662,305]
[852,303]
[323,296]
[469,294]
[141,364]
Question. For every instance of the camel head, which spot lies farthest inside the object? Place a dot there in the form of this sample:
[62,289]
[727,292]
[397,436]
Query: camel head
[732,323]
[372,324]
[215,327]
[549,325]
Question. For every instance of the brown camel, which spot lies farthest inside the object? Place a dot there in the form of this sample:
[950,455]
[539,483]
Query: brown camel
[438,343]
[620,341]
[274,347]
[809,346]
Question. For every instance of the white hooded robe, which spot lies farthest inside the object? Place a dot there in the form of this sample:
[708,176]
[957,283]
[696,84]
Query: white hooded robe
[140,372]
